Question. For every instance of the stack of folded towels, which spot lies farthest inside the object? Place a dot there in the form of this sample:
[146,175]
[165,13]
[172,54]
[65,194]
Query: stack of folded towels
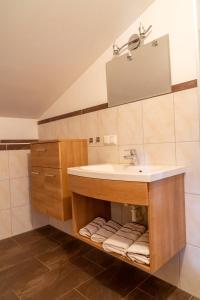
[139,251]
[106,231]
[123,238]
[129,240]
[92,227]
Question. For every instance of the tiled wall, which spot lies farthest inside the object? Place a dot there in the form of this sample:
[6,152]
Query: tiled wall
[16,214]
[163,130]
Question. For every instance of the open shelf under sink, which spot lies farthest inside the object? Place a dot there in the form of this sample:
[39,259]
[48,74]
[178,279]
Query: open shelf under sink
[123,258]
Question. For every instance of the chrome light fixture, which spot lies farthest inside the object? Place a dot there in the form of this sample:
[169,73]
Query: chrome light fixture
[133,43]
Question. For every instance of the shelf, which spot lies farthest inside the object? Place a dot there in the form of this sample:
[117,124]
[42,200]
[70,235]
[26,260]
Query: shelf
[123,258]
[164,200]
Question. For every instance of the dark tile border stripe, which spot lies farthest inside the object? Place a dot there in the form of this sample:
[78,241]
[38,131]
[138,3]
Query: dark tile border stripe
[95,108]
[18,146]
[74,113]
[175,88]
[24,141]
[25,144]
[184,86]
[4,147]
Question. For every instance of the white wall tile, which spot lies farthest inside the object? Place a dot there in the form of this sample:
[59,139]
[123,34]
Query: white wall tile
[52,133]
[19,163]
[47,131]
[38,219]
[186,105]
[5,224]
[116,212]
[61,129]
[41,131]
[68,227]
[130,130]
[160,154]
[108,154]
[21,219]
[158,119]
[4,166]
[4,194]
[107,121]
[124,150]
[89,124]
[190,270]
[188,154]
[93,155]
[74,127]
[54,130]
[170,272]
[56,223]
[20,194]
[192,210]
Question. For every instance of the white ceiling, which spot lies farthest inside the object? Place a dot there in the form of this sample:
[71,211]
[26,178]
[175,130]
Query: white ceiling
[47,44]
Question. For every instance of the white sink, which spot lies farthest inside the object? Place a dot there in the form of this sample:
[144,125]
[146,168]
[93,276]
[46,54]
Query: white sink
[127,172]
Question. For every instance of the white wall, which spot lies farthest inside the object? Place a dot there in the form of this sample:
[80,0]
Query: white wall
[14,128]
[16,213]
[198,13]
[175,141]
[198,22]
[197,16]
[175,17]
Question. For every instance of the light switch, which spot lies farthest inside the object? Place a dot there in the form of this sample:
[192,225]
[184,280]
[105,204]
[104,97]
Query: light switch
[110,139]
[106,140]
[113,139]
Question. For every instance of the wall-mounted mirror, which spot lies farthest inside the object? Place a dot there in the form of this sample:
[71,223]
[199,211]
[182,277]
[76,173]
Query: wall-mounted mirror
[144,74]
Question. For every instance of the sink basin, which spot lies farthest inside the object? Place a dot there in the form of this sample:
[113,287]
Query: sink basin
[126,172]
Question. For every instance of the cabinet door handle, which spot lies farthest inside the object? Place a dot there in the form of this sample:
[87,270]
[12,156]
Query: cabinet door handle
[50,175]
[35,173]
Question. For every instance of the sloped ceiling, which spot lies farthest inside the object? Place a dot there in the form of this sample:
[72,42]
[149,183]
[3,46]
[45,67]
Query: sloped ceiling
[45,45]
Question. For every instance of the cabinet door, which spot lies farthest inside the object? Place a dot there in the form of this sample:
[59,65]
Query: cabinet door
[37,190]
[45,155]
[53,192]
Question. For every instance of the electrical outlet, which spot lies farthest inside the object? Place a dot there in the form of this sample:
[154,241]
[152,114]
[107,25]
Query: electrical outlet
[97,139]
[90,141]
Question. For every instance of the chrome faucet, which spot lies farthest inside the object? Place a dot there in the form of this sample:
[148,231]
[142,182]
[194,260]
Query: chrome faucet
[132,156]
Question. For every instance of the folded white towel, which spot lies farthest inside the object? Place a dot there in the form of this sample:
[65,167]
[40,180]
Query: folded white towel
[140,249]
[92,227]
[123,238]
[141,259]
[141,246]
[106,231]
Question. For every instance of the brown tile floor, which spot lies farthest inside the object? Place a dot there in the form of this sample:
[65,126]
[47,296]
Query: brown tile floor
[47,264]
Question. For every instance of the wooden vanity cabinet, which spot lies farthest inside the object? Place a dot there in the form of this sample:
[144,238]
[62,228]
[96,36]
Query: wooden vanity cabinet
[49,178]
[164,200]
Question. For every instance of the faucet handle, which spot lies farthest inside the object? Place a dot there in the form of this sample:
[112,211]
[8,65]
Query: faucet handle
[131,156]
[131,151]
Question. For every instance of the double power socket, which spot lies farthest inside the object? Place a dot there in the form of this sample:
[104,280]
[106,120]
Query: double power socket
[107,140]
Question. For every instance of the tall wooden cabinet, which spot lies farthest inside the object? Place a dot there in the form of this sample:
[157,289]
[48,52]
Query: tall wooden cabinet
[49,179]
